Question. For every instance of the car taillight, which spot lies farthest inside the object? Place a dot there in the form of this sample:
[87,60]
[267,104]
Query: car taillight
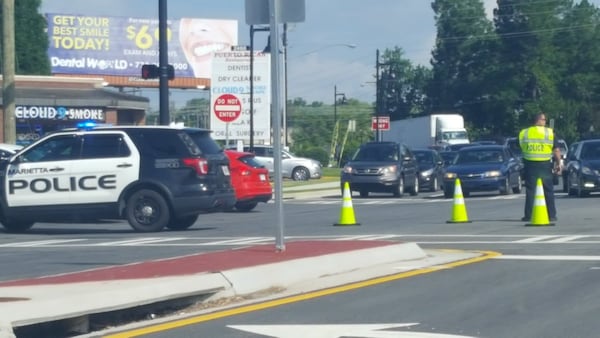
[199,164]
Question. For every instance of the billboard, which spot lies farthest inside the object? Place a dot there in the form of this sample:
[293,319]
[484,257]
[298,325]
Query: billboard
[119,46]
[230,96]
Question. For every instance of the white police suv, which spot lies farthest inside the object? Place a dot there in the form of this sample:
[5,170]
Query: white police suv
[153,176]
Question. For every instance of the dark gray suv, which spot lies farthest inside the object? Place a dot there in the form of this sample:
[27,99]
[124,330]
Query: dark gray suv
[382,167]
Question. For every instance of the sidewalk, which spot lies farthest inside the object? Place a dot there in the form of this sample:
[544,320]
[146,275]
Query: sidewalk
[72,298]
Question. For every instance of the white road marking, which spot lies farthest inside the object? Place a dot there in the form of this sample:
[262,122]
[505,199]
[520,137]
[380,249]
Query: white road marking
[141,241]
[41,243]
[548,257]
[241,241]
[364,237]
[535,239]
[564,239]
[423,239]
[338,331]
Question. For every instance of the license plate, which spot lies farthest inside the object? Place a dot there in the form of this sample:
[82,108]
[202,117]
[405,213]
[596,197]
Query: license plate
[225,170]
[262,177]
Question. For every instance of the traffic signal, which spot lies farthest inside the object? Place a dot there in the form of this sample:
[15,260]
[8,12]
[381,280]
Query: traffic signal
[171,72]
[153,72]
[150,72]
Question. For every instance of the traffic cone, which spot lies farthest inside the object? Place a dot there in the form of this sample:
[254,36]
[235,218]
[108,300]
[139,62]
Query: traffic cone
[347,212]
[539,214]
[459,211]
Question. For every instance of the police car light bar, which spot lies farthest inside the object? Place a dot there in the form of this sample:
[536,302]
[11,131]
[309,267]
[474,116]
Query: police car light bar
[86,125]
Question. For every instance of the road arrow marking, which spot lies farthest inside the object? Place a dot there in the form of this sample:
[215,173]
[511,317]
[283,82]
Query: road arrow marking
[338,331]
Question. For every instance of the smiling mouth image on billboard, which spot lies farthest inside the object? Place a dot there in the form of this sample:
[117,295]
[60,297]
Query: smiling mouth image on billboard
[200,38]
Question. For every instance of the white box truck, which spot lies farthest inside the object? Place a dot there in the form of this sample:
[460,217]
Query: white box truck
[425,131]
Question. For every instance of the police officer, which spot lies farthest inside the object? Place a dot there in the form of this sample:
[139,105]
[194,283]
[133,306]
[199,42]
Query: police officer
[539,145]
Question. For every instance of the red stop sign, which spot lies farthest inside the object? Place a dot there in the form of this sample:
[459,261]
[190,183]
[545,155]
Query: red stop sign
[227,108]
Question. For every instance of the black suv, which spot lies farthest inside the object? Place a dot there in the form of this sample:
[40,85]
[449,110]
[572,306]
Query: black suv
[382,167]
[153,176]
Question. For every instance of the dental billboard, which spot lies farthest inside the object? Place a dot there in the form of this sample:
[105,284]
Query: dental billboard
[119,46]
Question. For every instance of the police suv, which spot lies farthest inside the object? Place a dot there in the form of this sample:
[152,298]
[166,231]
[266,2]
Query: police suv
[153,176]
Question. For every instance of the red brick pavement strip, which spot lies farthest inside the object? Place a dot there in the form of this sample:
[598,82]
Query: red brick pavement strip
[205,262]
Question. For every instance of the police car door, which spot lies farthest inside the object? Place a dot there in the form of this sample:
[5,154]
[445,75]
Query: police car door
[108,162]
[41,174]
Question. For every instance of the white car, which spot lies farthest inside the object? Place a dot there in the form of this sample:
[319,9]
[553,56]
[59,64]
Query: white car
[292,166]
[7,150]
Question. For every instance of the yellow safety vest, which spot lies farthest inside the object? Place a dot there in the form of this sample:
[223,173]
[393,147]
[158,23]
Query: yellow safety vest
[536,143]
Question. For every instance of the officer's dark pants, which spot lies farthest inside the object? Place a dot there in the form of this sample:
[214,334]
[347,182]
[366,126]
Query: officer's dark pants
[533,171]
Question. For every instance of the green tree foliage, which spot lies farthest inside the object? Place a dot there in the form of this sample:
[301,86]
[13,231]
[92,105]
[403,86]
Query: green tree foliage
[534,56]
[312,127]
[401,86]
[31,40]
[462,60]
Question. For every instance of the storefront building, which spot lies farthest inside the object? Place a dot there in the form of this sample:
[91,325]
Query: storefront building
[47,103]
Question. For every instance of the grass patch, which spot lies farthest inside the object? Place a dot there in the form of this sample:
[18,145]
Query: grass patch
[329,175]
[332,172]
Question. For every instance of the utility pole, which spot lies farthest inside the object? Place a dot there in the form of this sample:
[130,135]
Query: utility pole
[334,138]
[163,64]
[285,85]
[8,71]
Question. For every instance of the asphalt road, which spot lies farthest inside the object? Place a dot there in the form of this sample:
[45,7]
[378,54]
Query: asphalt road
[543,285]
[50,248]
[496,298]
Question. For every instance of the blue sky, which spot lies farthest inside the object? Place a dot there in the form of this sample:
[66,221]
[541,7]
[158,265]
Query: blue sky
[318,55]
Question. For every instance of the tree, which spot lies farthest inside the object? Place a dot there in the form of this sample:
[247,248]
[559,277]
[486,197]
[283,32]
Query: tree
[401,86]
[313,126]
[460,57]
[31,54]
[580,49]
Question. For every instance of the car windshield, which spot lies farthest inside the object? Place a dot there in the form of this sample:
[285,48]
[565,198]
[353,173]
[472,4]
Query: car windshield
[448,156]
[424,156]
[376,153]
[454,135]
[590,151]
[479,156]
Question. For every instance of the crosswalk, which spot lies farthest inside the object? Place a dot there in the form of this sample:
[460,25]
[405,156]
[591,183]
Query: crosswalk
[243,241]
[395,201]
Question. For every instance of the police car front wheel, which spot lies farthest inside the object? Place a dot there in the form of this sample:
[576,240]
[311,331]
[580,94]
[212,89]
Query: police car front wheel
[147,211]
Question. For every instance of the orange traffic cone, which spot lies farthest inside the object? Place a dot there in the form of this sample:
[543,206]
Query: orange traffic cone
[539,214]
[459,210]
[347,212]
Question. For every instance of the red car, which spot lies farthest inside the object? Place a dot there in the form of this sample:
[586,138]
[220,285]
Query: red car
[250,179]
